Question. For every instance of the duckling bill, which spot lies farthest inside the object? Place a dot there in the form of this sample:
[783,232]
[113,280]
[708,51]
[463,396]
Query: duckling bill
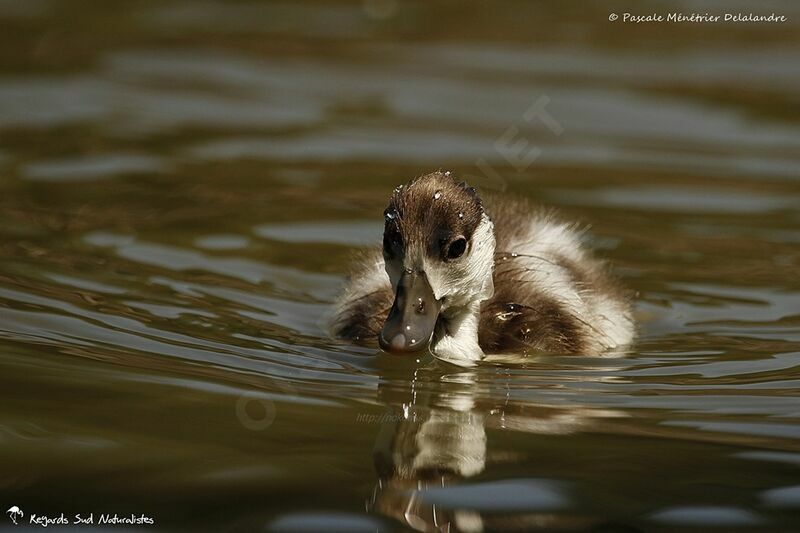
[412,318]
[465,277]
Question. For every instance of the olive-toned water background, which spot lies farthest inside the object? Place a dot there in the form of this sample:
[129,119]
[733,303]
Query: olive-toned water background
[182,185]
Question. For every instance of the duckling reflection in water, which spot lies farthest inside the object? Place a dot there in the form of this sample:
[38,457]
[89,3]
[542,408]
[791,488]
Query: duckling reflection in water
[438,440]
[466,277]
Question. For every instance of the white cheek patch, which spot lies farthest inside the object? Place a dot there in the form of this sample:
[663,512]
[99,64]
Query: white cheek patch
[470,278]
[443,280]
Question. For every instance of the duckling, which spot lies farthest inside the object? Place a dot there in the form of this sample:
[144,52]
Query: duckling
[465,277]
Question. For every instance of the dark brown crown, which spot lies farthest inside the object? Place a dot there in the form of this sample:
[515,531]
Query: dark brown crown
[432,210]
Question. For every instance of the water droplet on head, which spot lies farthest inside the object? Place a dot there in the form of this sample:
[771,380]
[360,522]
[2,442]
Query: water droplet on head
[437,195]
[461,215]
[447,173]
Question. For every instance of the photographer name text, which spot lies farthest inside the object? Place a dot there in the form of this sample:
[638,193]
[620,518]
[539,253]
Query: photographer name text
[702,18]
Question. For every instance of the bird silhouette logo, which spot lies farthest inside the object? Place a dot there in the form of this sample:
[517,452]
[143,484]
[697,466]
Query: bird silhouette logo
[15,513]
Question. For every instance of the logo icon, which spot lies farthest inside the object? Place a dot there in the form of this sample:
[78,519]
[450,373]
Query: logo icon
[15,513]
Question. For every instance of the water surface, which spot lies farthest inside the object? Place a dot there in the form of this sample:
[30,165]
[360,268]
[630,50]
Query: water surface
[182,187]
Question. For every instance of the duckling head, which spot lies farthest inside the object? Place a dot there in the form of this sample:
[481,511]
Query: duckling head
[438,248]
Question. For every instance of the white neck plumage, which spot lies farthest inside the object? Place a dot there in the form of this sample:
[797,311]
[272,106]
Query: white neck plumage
[469,284]
[457,342]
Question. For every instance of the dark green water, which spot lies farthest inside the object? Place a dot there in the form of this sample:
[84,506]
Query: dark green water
[182,185]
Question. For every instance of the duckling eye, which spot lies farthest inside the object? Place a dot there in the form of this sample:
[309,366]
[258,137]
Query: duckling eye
[456,249]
